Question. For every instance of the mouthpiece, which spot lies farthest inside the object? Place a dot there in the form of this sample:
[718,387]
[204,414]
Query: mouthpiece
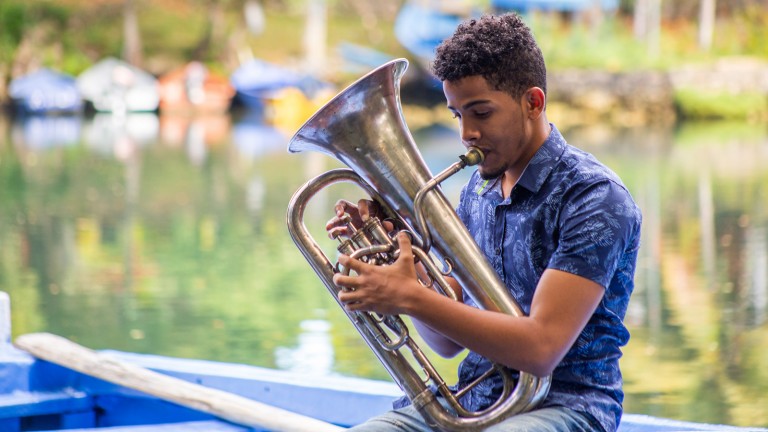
[473,156]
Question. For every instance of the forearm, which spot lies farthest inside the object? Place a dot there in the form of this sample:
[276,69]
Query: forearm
[438,342]
[501,338]
[561,307]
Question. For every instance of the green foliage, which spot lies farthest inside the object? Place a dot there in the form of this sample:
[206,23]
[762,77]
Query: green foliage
[747,32]
[177,45]
[693,133]
[606,46]
[12,21]
[173,34]
[11,28]
[52,41]
[611,45]
[703,105]
[18,16]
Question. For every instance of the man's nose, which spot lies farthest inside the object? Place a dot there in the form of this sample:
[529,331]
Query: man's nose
[469,134]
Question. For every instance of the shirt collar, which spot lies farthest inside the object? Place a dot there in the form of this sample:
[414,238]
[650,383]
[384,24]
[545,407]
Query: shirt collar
[544,161]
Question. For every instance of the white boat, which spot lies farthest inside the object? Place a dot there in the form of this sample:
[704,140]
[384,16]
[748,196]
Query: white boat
[112,85]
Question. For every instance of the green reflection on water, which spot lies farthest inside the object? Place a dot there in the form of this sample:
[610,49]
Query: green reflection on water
[180,248]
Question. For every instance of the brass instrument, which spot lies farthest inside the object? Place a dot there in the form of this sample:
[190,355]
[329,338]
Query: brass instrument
[363,127]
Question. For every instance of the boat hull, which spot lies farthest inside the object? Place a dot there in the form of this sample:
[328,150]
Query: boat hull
[43,396]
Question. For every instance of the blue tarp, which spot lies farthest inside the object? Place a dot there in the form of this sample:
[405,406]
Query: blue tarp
[257,80]
[553,5]
[420,29]
[44,91]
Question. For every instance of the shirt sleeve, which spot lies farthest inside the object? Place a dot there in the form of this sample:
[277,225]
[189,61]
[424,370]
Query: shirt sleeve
[597,225]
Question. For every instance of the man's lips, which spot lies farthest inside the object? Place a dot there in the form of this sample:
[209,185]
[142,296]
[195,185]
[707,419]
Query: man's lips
[485,154]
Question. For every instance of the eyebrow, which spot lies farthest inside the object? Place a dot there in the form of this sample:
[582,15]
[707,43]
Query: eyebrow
[471,104]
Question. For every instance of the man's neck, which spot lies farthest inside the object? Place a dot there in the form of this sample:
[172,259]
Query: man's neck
[510,177]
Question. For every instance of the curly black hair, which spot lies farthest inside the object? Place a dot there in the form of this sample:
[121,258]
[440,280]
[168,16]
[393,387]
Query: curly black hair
[500,48]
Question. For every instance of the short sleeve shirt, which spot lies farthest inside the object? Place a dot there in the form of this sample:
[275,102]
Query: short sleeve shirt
[571,213]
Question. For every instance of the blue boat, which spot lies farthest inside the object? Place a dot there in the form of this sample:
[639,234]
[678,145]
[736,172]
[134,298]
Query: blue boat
[257,80]
[45,91]
[65,386]
[525,6]
[421,26]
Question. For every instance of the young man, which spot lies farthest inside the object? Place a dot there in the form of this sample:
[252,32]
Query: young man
[560,229]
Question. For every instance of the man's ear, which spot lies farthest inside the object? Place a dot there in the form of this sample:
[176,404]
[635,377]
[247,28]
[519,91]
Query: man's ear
[535,101]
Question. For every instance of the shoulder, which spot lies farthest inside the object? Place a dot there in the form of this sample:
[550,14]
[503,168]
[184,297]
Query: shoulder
[582,171]
[591,188]
[585,167]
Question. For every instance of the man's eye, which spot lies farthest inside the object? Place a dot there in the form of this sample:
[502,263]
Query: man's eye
[482,114]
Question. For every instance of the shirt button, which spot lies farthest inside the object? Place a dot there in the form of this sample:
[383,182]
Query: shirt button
[498,251]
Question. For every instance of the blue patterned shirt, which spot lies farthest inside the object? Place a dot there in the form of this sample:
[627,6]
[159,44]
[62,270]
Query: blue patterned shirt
[571,213]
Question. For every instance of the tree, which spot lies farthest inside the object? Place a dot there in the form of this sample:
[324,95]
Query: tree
[707,23]
[647,24]
[132,36]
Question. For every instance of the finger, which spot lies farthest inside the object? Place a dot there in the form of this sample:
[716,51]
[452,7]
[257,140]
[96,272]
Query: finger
[337,226]
[350,263]
[343,206]
[349,301]
[389,226]
[404,243]
[369,208]
[342,281]
[333,223]
[354,306]
[335,232]
[365,207]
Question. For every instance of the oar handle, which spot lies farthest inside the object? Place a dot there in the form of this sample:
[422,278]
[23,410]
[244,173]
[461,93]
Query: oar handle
[227,406]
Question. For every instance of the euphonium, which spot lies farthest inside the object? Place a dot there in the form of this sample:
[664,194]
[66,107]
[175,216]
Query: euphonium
[363,127]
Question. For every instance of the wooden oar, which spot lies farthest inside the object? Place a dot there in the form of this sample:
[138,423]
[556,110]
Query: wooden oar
[227,406]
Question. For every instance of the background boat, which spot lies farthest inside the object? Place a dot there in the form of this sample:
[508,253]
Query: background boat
[113,85]
[45,91]
[257,80]
[421,25]
[524,6]
[193,88]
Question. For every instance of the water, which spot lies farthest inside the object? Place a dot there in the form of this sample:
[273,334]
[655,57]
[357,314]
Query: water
[167,235]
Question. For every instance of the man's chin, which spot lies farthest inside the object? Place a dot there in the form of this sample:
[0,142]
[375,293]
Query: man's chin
[489,175]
